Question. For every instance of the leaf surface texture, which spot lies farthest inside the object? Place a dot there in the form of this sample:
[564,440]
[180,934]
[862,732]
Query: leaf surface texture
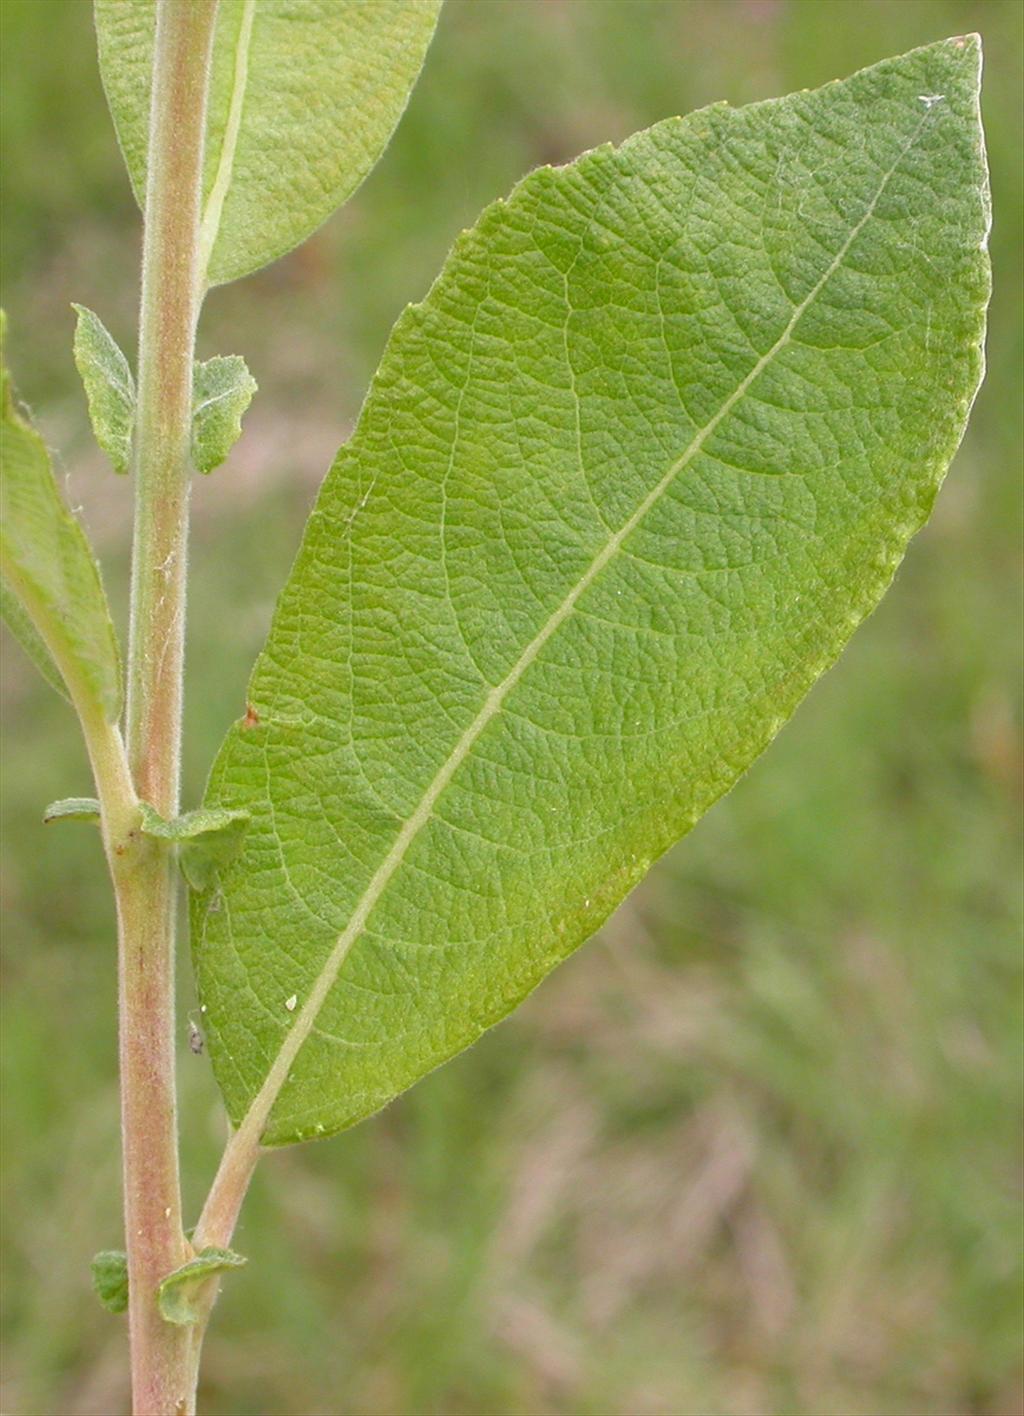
[221,392]
[624,485]
[304,95]
[24,631]
[109,387]
[110,1279]
[53,597]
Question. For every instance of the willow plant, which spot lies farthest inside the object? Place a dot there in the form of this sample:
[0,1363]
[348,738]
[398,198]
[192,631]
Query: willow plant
[624,484]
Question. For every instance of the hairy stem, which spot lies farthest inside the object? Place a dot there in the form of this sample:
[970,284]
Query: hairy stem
[145,884]
[220,1213]
[219,1217]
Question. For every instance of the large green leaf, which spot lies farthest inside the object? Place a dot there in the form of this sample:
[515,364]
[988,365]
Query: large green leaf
[625,484]
[53,598]
[304,95]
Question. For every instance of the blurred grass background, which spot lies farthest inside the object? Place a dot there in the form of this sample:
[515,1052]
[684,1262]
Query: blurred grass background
[756,1149]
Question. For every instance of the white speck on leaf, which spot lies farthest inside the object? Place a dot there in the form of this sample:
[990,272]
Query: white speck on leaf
[290,1003]
[929,99]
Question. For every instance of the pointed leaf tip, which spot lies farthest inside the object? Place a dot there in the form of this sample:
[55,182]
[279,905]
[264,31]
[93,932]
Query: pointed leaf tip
[627,480]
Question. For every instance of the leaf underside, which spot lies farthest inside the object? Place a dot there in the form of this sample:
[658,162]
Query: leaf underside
[53,598]
[304,95]
[222,390]
[109,387]
[624,485]
[73,809]
[24,631]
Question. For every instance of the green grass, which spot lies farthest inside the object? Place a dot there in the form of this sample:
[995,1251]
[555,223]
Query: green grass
[754,1150]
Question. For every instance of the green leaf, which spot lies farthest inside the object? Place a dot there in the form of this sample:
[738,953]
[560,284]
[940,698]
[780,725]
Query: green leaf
[625,484]
[110,1279]
[73,809]
[49,568]
[304,95]
[208,839]
[222,390]
[109,387]
[178,1291]
[22,628]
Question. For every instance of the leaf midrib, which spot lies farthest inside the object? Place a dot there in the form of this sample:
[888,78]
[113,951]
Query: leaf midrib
[254,1122]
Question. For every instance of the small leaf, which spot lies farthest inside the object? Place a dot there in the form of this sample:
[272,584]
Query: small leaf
[73,809]
[208,840]
[222,390]
[109,387]
[202,857]
[49,567]
[24,631]
[110,1279]
[304,95]
[178,1291]
[623,487]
